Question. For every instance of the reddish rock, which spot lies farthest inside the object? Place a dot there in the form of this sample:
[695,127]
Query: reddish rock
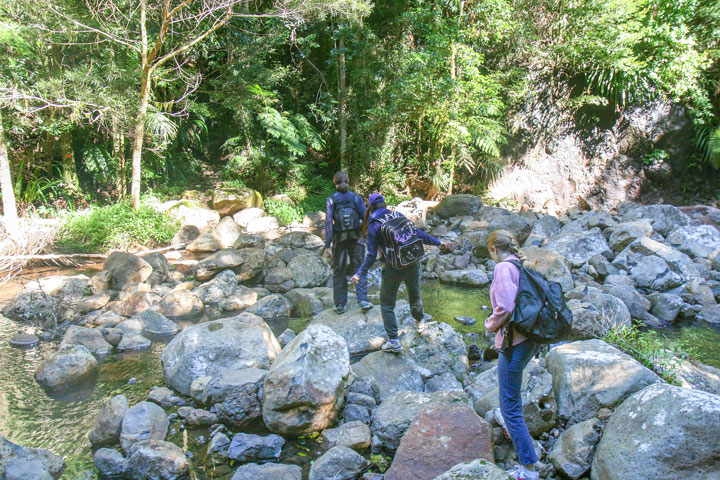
[439,439]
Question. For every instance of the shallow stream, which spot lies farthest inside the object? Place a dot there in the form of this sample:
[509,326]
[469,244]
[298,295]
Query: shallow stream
[28,416]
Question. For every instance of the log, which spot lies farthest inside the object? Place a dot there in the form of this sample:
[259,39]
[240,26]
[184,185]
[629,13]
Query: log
[59,257]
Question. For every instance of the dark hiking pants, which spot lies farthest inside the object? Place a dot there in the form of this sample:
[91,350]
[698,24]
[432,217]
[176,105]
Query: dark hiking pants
[391,280]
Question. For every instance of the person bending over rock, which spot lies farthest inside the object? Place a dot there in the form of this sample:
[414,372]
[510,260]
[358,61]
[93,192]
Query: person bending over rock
[401,248]
[513,358]
[343,240]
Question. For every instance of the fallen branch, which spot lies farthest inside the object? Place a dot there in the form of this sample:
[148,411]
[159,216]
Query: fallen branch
[60,257]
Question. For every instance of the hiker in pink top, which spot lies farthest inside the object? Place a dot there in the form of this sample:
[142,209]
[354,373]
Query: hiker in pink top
[512,359]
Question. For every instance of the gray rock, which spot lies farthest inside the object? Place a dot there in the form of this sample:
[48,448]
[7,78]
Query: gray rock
[286,337]
[716,262]
[95,302]
[676,261]
[268,471]
[697,241]
[132,342]
[710,315]
[445,381]
[305,303]
[241,406]
[393,417]
[666,306]
[579,247]
[273,308]
[208,348]
[200,418]
[192,212]
[637,304]
[392,373]
[626,233]
[223,286]
[38,459]
[305,387]
[247,447]
[144,421]
[692,374]
[227,381]
[664,218]
[25,469]
[573,451]
[109,462]
[165,397]
[126,269]
[354,435]
[654,273]
[219,444]
[89,338]
[475,470]
[361,399]
[181,303]
[279,279]
[68,367]
[457,206]
[156,459]
[357,413]
[674,428]
[474,277]
[217,262]
[544,228]
[185,235]
[596,313]
[106,429]
[590,375]
[155,324]
[160,266]
[338,463]
[311,270]
[47,301]
[247,216]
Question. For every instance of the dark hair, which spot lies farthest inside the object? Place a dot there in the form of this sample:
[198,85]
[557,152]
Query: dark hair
[341,181]
[370,209]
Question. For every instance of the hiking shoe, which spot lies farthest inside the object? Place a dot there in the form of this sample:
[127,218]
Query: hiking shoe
[522,473]
[340,309]
[392,346]
[422,325]
[365,306]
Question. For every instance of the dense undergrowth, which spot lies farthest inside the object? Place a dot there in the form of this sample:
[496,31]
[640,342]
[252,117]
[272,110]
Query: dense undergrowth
[116,227]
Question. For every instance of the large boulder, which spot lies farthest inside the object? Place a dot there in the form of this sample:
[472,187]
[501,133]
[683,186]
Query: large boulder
[338,463]
[304,389]
[309,270]
[70,366]
[227,201]
[157,460]
[438,439]
[126,269]
[15,457]
[573,451]
[191,212]
[676,261]
[393,417]
[48,301]
[475,470]
[208,348]
[473,277]
[625,233]
[217,262]
[160,266]
[538,399]
[268,471]
[89,338]
[664,218]
[553,265]
[272,308]
[590,375]
[106,430]
[710,315]
[416,210]
[458,206]
[597,313]
[439,349]
[109,462]
[227,381]
[543,229]
[697,241]
[673,431]
[144,421]
[156,324]
[392,373]
[579,247]
[181,304]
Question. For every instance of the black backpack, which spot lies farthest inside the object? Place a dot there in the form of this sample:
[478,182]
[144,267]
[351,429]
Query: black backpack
[347,221]
[541,313]
[402,245]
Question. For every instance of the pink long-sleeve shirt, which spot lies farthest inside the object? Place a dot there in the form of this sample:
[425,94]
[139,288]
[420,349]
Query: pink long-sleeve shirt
[503,292]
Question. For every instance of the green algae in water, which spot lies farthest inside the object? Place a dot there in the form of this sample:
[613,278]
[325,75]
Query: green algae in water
[445,302]
[700,342]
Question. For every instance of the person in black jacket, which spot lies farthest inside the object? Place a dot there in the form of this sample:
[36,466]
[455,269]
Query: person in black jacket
[343,240]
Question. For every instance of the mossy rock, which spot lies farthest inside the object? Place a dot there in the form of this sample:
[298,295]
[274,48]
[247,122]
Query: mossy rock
[228,201]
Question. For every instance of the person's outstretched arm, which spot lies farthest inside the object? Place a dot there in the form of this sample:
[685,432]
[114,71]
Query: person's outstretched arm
[372,248]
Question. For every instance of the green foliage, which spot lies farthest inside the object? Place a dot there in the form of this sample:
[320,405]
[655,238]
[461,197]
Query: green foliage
[656,156]
[379,462]
[116,227]
[283,211]
[648,348]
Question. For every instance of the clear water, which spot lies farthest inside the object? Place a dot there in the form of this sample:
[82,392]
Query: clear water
[28,416]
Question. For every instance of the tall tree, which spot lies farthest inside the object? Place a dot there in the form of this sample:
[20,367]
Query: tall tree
[9,206]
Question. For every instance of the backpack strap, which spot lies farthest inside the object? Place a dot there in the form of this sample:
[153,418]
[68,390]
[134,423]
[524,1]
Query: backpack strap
[387,217]
[517,263]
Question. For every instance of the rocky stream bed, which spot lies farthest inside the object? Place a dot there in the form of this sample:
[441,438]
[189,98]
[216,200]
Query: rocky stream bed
[233,365]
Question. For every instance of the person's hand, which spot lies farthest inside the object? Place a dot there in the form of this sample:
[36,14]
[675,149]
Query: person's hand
[329,252]
[354,279]
[447,246]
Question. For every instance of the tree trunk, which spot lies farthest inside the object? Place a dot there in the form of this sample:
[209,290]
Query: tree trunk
[9,206]
[139,138]
[119,157]
[69,170]
[342,106]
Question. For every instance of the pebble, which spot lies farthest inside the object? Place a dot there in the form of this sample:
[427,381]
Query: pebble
[133,381]
[465,320]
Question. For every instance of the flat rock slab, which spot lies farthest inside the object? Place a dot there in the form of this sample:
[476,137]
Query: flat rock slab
[440,438]
[24,340]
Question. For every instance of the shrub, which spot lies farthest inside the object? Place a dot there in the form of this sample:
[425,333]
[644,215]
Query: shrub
[116,227]
[283,211]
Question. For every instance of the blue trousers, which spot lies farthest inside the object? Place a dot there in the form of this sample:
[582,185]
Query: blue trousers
[510,367]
